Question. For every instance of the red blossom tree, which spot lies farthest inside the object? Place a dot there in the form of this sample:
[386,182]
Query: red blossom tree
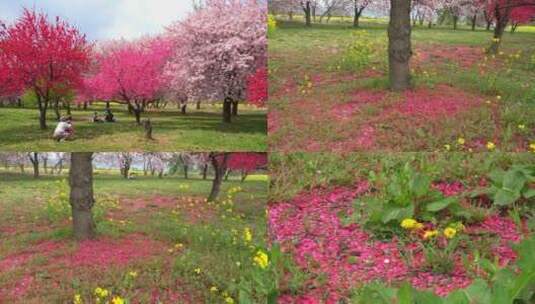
[42,56]
[502,12]
[130,73]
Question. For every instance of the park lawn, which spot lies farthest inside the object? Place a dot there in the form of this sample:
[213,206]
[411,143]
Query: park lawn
[199,130]
[319,102]
[158,240]
[327,212]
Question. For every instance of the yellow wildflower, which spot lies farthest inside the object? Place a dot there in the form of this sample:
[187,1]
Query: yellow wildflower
[229,300]
[430,233]
[491,145]
[77,299]
[521,127]
[499,97]
[213,289]
[450,232]
[532,147]
[261,259]
[247,235]
[133,274]
[409,223]
[197,270]
[101,292]
[447,147]
[461,141]
[117,300]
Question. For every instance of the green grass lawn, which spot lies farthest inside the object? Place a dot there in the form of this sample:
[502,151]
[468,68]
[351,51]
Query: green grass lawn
[199,130]
[314,103]
[193,246]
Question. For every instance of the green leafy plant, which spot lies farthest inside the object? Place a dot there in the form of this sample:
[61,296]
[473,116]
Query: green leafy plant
[408,194]
[508,187]
[510,285]
[359,52]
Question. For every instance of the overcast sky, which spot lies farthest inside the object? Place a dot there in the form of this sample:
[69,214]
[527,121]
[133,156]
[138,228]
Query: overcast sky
[105,19]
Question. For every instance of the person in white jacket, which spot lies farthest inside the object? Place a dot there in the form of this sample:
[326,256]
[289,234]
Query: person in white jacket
[64,130]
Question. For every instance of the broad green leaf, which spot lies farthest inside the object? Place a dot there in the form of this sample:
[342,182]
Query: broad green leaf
[420,184]
[529,193]
[504,197]
[427,297]
[457,297]
[441,204]
[514,180]
[478,292]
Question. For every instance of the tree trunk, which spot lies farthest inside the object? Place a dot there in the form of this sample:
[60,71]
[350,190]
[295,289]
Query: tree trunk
[455,21]
[307,14]
[227,105]
[69,108]
[205,171]
[513,27]
[186,171]
[137,113]
[497,37]
[85,106]
[56,109]
[43,105]
[474,20]
[81,196]
[183,107]
[243,176]
[147,125]
[429,24]
[34,159]
[399,47]
[107,104]
[198,105]
[219,169]
[227,173]
[45,165]
[234,108]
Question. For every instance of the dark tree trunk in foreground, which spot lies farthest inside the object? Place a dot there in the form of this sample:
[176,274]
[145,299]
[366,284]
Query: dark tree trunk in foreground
[34,159]
[399,44]
[56,109]
[147,125]
[234,108]
[219,162]
[307,9]
[227,110]
[186,167]
[501,18]
[81,197]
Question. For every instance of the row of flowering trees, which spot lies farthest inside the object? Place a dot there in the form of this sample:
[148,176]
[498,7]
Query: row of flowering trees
[401,12]
[217,53]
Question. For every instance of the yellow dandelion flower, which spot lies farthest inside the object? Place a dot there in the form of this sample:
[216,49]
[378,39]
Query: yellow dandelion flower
[532,147]
[117,300]
[133,274]
[430,234]
[261,259]
[491,145]
[77,299]
[450,232]
[213,289]
[197,270]
[247,235]
[408,223]
[461,141]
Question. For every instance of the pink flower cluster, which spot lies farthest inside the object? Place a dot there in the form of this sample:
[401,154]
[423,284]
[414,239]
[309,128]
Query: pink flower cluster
[449,189]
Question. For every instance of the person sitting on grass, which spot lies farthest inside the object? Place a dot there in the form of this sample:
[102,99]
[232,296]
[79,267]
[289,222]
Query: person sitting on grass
[64,130]
[96,118]
[109,116]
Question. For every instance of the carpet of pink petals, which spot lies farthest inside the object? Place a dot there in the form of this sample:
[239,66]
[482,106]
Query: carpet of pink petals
[310,229]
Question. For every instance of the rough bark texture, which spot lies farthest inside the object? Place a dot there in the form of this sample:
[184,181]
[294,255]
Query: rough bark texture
[227,110]
[307,10]
[81,196]
[220,166]
[399,44]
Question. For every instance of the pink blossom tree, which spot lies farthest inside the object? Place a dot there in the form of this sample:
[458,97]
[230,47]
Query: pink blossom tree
[47,58]
[129,73]
[501,12]
[215,50]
